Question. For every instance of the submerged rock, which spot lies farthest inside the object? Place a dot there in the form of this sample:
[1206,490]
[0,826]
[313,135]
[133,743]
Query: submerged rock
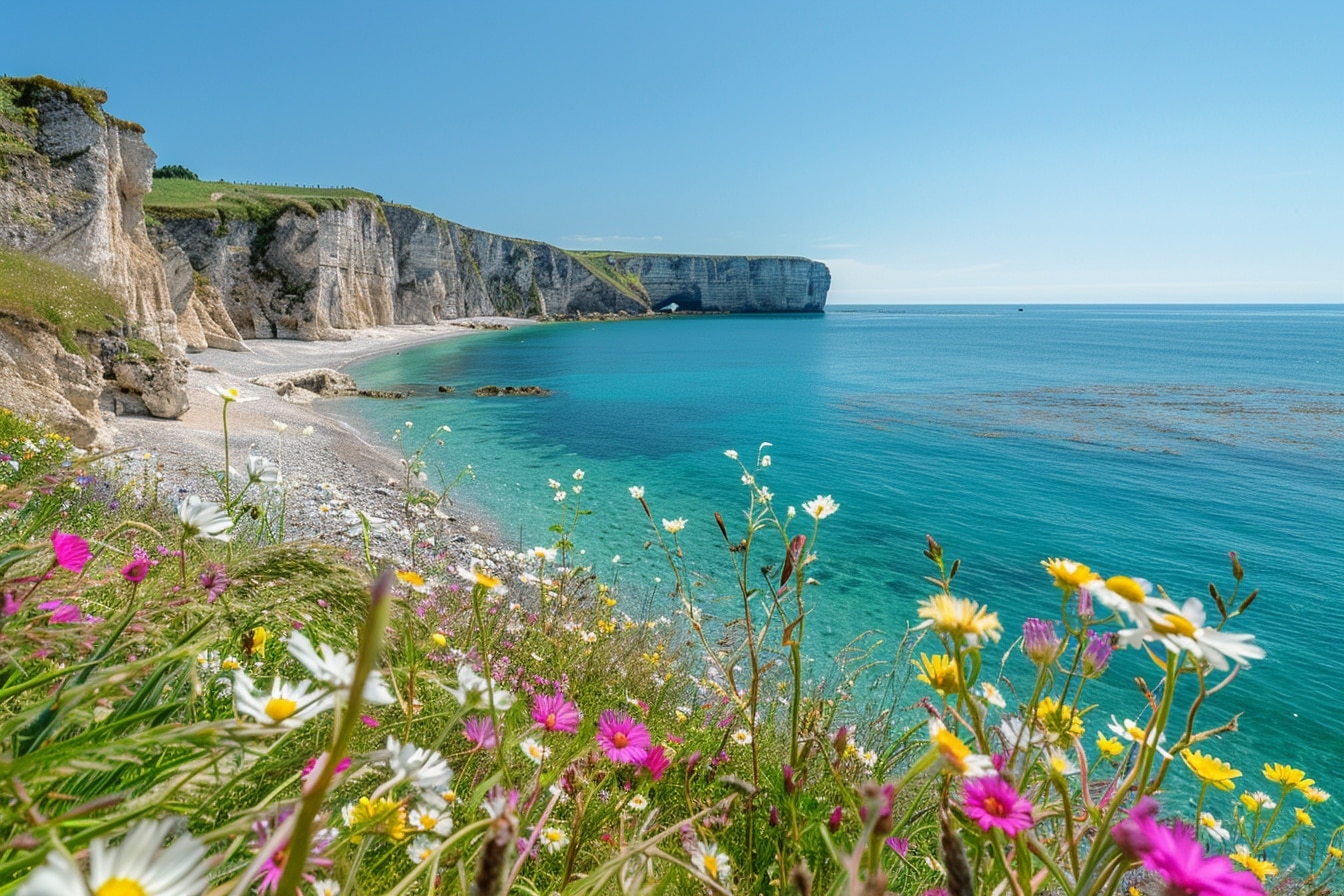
[491,391]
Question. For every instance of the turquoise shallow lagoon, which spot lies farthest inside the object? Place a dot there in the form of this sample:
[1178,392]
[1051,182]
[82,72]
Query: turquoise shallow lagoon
[1141,440]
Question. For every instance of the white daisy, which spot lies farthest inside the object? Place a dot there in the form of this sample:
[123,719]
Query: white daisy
[1183,628]
[204,519]
[1214,828]
[421,849]
[742,737]
[554,839]
[821,506]
[710,862]
[336,669]
[431,819]
[140,864]
[229,393]
[1133,733]
[288,705]
[1132,597]
[533,749]
[472,690]
[425,769]
[674,526]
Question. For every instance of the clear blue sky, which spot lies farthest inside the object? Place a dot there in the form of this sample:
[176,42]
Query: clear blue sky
[928,152]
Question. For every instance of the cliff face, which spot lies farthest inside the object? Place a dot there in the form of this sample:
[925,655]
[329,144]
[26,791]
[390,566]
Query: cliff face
[309,275]
[731,284]
[78,200]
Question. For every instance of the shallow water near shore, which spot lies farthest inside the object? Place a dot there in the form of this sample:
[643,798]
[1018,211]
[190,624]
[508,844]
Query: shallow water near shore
[1138,439]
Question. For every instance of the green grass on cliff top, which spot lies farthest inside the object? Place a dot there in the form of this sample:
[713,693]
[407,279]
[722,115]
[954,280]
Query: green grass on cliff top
[32,288]
[176,192]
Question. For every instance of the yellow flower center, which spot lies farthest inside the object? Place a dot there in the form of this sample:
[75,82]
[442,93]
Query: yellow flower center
[553,836]
[1134,731]
[120,886]
[1174,624]
[484,580]
[280,708]
[711,865]
[1127,588]
[427,822]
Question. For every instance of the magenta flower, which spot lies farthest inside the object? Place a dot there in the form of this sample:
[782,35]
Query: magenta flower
[480,730]
[61,611]
[72,552]
[991,802]
[555,713]
[1174,853]
[900,844]
[268,878]
[622,738]
[214,581]
[135,571]
[656,763]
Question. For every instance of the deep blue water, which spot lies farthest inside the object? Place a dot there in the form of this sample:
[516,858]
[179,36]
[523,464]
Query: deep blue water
[1146,440]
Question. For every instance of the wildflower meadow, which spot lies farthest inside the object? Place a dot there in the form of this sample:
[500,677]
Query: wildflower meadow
[192,701]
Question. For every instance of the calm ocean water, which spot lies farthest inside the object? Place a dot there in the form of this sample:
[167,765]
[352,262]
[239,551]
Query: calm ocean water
[1138,439]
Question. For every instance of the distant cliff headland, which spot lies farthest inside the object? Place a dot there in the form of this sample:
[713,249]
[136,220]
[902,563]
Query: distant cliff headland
[178,264]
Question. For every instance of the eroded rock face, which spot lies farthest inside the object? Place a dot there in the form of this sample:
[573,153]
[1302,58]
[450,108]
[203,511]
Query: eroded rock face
[41,379]
[80,203]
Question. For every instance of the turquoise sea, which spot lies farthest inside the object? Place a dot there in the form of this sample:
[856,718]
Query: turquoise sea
[1145,440]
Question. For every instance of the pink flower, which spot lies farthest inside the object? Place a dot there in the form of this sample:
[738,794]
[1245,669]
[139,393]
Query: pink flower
[72,552]
[268,878]
[480,730]
[991,802]
[135,571]
[1175,854]
[656,762]
[555,713]
[369,721]
[622,738]
[61,611]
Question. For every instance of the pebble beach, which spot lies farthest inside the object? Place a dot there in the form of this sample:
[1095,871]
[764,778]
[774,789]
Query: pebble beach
[319,454]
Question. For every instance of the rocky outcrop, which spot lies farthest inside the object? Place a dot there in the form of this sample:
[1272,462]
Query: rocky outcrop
[72,187]
[40,378]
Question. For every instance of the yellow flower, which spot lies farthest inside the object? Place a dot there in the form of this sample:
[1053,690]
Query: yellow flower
[1109,747]
[1303,818]
[960,618]
[439,639]
[412,578]
[1210,770]
[1336,853]
[254,642]
[1059,720]
[956,755]
[380,816]
[1069,576]
[1259,867]
[1255,802]
[940,673]
[1287,776]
